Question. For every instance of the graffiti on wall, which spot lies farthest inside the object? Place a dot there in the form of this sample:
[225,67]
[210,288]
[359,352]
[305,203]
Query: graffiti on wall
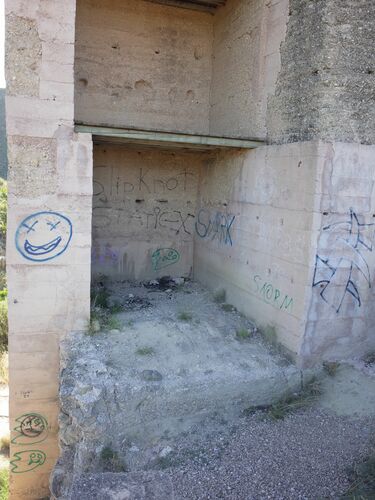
[31,428]
[43,236]
[164,257]
[342,271]
[215,226]
[26,461]
[272,295]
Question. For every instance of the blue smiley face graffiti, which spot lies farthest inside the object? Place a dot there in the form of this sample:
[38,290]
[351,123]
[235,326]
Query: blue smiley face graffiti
[43,236]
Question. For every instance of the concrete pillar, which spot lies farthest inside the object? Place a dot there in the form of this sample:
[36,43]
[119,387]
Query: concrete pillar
[49,228]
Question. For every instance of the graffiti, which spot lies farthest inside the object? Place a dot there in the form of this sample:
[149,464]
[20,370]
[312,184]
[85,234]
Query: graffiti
[339,273]
[175,221]
[215,226]
[272,295]
[164,257]
[26,461]
[32,428]
[116,187]
[43,236]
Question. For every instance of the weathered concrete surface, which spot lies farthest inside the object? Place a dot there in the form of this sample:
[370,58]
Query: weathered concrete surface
[144,66]
[3,138]
[144,209]
[50,170]
[114,393]
[326,86]
[246,62]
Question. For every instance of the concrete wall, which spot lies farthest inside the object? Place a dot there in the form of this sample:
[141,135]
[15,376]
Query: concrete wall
[3,138]
[246,62]
[341,314]
[143,65]
[259,245]
[49,228]
[143,213]
[326,86]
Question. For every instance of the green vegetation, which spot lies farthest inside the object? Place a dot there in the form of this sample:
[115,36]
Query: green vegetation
[4,484]
[289,402]
[219,296]
[331,367]
[110,460]
[243,334]
[5,444]
[3,325]
[102,319]
[185,316]
[145,351]
[363,481]
[228,307]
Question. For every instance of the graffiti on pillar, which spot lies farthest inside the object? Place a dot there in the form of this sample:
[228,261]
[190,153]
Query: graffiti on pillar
[43,236]
[344,269]
[164,257]
[215,226]
[26,461]
[31,428]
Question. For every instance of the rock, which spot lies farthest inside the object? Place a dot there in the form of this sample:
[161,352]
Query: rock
[179,281]
[165,451]
[151,375]
[168,291]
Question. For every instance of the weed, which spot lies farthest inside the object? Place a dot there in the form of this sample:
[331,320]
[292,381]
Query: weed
[3,326]
[4,484]
[185,316]
[228,307]
[110,460]
[289,402]
[363,481]
[4,368]
[145,351]
[99,298]
[243,334]
[369,359]
[219,296]
[331,367]
[102,319]
[5,444]
[116,308]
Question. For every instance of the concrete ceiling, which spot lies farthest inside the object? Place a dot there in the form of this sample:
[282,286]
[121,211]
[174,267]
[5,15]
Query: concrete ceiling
[206,5]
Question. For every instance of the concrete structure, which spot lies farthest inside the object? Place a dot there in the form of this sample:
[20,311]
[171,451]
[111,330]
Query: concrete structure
[287,228]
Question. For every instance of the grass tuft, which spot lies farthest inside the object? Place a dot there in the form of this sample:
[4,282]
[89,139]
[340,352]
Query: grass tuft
[102,319]
[228,307]
[331,367]
[145,351]
[220,296]
[289,403]
[362,478]
[185,316]
[243,334]
[110,460]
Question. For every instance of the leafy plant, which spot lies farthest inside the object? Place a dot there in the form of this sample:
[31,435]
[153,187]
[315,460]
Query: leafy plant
[4,484]
[219,296]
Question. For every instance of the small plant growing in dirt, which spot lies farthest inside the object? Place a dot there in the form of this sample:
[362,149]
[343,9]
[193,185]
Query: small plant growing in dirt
[289,402]
[243,334]
[331,367]
[185,316]
[228,307]
[102,319]
[362,478]
[145,351]
[5,444]
[220,296]
[110,460]
[369,359]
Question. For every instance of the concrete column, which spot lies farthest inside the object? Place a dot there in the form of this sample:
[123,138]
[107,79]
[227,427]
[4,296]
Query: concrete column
[49,228]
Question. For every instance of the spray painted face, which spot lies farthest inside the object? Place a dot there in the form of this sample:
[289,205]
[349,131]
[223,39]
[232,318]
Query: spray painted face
[43,236]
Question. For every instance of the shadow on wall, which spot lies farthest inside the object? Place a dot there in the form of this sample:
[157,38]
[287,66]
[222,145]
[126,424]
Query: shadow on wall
[3,138]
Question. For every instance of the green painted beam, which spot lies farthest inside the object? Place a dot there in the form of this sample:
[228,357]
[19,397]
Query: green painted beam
[159,139]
